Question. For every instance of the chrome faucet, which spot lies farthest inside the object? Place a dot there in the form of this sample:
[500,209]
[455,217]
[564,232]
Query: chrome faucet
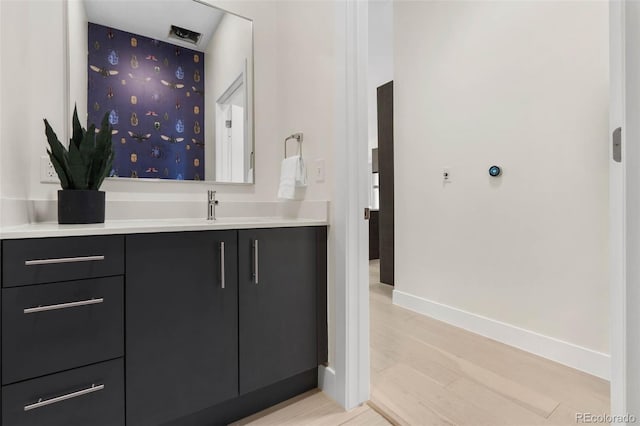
[211,205]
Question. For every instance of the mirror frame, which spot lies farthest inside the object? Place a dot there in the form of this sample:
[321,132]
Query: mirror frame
[252,133]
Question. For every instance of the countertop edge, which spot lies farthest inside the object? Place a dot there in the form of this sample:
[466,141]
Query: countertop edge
[49,230]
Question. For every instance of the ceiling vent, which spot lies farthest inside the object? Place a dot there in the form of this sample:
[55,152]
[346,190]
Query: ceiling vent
[184,34]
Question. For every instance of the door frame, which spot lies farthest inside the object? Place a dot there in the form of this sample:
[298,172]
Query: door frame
[348,381]
[617,243]
[624,211]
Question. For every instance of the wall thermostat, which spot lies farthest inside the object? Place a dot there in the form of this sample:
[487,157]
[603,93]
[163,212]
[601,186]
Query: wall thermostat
[495,171]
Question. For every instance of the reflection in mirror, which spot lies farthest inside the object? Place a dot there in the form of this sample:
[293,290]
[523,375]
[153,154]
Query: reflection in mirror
[176,79]
[231,141]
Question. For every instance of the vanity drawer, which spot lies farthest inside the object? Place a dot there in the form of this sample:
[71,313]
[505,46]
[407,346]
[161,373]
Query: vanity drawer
[92,395]
[45,260]
[48,328]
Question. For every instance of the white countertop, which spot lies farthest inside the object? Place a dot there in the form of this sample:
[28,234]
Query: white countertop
[111,227]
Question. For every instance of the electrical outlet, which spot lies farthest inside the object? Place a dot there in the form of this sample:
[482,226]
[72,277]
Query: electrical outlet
[47,172]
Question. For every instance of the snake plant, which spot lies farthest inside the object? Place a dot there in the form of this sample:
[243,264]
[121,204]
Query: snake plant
[88,160]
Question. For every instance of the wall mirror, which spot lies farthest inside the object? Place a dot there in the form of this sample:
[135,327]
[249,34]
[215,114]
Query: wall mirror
[176,79]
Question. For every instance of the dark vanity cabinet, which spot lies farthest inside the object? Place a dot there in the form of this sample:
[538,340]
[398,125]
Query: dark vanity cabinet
[182,323]
[277,305]
[181,328]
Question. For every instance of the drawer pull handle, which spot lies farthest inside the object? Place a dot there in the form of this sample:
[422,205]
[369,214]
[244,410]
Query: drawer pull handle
[222,264]
[62,260]
[43,403]
[63,306]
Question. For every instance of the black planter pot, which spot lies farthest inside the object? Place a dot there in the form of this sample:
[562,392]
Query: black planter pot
[80,206]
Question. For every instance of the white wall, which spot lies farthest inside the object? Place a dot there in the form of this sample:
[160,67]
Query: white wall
[305,89]
[523,85]
[78,52]
[2,37]
[32,88]
[380,59]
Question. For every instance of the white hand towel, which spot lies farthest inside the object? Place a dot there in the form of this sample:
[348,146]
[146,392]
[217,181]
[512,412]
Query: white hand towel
[301,173]
[292,173]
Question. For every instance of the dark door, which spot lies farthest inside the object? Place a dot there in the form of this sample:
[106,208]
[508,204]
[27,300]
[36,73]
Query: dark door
[374,237]
[385,167]
[181,324]
[277,294]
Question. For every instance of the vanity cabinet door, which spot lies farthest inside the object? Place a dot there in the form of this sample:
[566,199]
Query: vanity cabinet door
[181,324]
[277,303]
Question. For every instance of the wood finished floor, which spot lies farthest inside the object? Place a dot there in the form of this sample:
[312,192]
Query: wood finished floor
[425,372]
[314,408]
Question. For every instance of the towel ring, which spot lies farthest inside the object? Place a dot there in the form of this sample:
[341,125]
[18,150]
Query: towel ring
[297,136]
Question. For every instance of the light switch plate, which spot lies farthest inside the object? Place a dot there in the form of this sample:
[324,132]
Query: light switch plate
[318,170]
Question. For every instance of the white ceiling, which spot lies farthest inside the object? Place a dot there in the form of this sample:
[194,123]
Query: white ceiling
[153,18]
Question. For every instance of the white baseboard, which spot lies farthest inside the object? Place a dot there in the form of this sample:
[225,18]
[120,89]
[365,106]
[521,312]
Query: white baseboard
[327,381]
[569,354]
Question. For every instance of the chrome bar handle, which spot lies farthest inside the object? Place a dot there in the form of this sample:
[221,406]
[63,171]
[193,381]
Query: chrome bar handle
[62,306]
[255,261]
[62,260]
[222,264]
[41,403]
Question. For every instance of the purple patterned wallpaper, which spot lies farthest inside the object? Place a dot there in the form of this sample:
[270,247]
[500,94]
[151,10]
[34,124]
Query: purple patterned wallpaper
[154,93]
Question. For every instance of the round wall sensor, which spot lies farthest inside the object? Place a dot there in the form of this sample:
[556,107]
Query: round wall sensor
[495,171]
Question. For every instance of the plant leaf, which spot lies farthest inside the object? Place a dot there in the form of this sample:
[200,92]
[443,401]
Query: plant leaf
[60,154]
[87,150]
[78,131]
[89,158]
[103,158]
[77,168]
[105,170]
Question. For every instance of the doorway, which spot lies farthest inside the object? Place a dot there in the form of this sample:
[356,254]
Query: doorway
[496,186]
